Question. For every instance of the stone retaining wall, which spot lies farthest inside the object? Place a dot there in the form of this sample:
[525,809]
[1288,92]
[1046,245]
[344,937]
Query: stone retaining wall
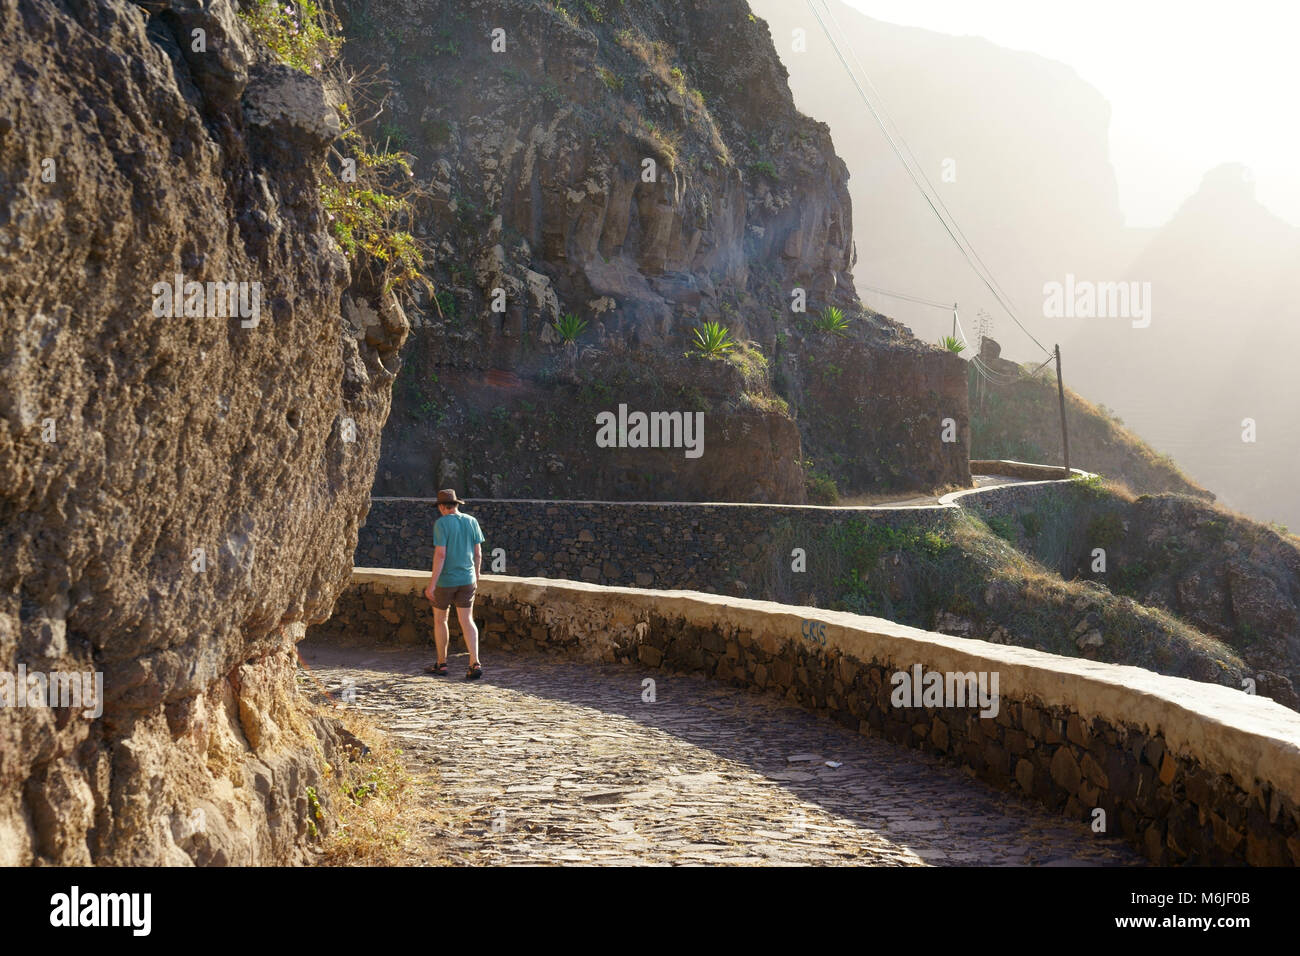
[1188,772]
[1019,469]
[1012,500]
[716,548]
[743,550]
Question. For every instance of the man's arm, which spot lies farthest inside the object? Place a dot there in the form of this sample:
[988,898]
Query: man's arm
[478,561]
[439,559]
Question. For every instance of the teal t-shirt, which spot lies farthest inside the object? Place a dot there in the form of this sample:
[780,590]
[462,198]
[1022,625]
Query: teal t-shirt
[458,533]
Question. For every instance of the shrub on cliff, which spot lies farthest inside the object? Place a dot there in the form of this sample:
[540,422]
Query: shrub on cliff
[712,339]
[832,320]
[369,198]
[821,488]
[366,213]
[297,35]
[569,327]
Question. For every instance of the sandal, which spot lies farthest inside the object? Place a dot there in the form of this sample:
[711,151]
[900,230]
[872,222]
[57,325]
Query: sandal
[475,672]
[437,669]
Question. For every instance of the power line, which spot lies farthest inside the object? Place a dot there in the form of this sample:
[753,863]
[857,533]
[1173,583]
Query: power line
[991,281]
[982,371]
[963,244]
[908,298]
[1050,359]
[938,305]
[986,372]
[992,375]
[957,321]
[915,165]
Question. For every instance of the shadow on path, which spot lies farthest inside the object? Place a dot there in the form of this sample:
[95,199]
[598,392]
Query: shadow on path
[549,760]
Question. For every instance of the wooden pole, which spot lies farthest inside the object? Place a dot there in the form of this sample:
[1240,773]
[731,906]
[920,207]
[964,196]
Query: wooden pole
[1060,391]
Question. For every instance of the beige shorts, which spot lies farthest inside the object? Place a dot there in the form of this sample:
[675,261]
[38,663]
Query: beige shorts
[462,596]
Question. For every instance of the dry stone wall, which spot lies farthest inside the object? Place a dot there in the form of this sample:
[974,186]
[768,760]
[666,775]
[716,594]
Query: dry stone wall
[716,548]
[1187,772]
[723,548]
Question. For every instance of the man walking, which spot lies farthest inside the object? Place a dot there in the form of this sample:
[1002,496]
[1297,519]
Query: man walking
[457,558]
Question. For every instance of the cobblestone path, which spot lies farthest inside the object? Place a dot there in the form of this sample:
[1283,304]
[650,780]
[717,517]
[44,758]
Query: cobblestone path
[549,761]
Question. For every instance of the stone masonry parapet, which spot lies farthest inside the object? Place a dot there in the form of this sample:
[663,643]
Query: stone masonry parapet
[1186,771]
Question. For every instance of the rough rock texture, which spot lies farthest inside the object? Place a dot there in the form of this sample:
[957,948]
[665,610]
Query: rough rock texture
[129,441]
[883,421]
[536,160]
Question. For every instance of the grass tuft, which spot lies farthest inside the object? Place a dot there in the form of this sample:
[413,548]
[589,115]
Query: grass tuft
[382,807]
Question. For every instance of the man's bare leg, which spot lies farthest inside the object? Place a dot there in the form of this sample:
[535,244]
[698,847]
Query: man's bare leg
[441,634]
[468,629]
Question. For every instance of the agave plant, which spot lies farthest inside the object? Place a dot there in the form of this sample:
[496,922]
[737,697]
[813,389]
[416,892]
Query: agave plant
[569,327]
[713,338]
[831,320]
[952,344]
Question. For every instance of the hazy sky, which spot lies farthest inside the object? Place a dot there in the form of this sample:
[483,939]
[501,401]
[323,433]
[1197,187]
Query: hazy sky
[1191,84]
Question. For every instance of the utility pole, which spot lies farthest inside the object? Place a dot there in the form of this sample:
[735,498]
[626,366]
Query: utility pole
[1060,391]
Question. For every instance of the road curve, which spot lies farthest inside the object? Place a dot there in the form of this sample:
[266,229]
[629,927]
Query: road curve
[556,762]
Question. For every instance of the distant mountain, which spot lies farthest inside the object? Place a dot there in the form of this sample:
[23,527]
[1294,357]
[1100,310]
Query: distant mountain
[1036,195]
[1218,349]
[1032,185]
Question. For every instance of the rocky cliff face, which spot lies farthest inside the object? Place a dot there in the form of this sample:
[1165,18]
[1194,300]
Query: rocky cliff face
[180,490]
[640,165]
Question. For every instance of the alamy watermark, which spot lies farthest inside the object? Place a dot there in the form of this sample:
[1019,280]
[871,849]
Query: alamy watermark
[651,430]
[1083,299]
[208,300]
[922,688]
[73,689]
[75,908]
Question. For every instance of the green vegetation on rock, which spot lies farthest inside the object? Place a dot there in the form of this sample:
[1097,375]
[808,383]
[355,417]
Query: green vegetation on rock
[569,327]
[983,578]
[368,198]
[295,33]
[712,339]
[832,320]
